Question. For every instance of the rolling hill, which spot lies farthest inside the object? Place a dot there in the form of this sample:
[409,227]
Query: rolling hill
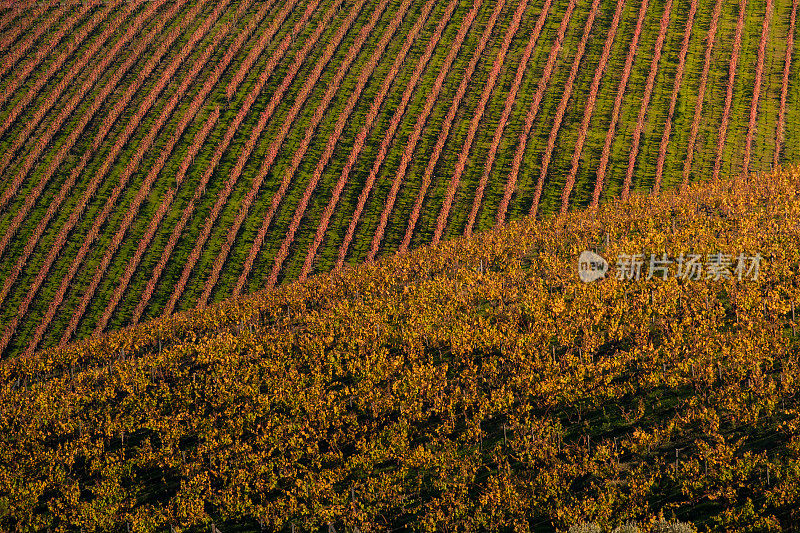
[473,385]
[161,155]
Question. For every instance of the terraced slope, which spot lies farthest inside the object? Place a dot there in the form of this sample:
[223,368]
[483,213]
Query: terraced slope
[160,155]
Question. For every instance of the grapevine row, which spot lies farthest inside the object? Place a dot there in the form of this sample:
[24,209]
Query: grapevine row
[222,147]
[12,189]
[662,150]
[723,129]
[246,66]
[363,77]
[698,108]
[648,91]
[43,141]
[274,149]
[422,119]
[466,148]
[52,95]
[626,72]
[33,63]
[589,109]
[147,144]
[779,133]
[511,98]
[562,106]
[530,116]
[119,144]
[762,47]
[244,156]
[132,265]
[75,134]
[388,135]
[358,144]
[21,49]
[444,129]
[197,143]
[10,16]
[68,28]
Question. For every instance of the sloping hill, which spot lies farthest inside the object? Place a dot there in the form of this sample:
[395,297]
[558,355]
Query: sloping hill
[161,155]
[473,385]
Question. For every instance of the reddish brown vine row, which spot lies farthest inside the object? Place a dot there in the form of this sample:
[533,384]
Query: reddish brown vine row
[145,147]
[511,98]
[698,108]
[277,143]
[388,136]
[11,15]
[12,189]
[197,143]
[562,106]
[648,92]
[8,16]
[63,233]
[52,95]
[21,49]
[422,119]
[444,129]
[11,37]
[530,117]
[244,157]
[43,142]
[146,187]
[363,77]
[166,152]
[785,86]
[65,148]
[751,127]
[65,28]
[726,112]
[246,66]
[102,172]
[53,67]
[466,148]
[612,128]
[662,149]
[144,243]
[222,147]
[589,109]
[299,153]
[359,142]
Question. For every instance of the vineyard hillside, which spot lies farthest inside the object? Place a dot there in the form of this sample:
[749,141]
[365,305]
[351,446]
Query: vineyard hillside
[162,155]
[479,384]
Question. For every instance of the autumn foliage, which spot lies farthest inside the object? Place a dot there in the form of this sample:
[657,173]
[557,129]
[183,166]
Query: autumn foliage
[465,385]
